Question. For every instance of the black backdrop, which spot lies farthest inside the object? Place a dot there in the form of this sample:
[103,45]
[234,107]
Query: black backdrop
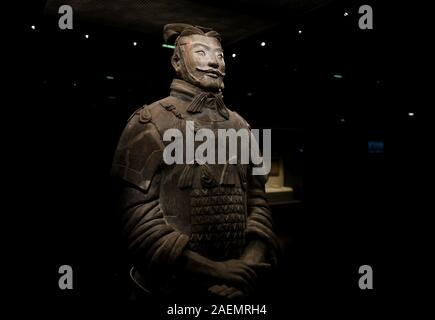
[356,207]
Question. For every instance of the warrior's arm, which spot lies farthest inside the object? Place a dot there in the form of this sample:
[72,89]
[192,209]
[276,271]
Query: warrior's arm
[158,247]
[262,241]
[153,244]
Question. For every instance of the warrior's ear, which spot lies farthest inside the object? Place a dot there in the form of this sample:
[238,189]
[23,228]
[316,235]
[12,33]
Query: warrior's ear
[176,63]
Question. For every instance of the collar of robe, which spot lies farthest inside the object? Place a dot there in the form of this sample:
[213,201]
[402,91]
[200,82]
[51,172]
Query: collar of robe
[199,98]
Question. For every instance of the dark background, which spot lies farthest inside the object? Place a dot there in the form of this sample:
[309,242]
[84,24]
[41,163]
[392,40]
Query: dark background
[326,93]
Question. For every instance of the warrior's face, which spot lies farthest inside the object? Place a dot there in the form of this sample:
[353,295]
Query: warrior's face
[199,60]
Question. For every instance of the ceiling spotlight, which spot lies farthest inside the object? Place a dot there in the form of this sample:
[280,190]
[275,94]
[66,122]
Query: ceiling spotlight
[234,55]
[135,43]
[300,31]
[86,36]
[33,27]
[346,14]
[342,120]
[411,114]
[110,77]
[263,44]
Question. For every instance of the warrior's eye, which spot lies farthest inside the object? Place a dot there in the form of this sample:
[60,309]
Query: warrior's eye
[201,52]
[220,56]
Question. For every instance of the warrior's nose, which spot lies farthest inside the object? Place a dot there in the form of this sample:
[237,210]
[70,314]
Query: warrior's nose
[213,64]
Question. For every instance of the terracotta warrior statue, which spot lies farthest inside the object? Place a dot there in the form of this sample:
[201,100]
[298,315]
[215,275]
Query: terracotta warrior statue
[192,228]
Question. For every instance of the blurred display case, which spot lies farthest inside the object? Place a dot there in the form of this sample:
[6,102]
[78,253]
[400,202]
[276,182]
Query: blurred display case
[285,181]
[276,191]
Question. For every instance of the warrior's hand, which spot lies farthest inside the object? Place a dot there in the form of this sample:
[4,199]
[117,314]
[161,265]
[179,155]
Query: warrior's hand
[258,266]
[226,292]
[235,273]
[238,273]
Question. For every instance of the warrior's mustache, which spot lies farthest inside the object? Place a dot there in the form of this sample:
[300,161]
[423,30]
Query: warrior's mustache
[214,71]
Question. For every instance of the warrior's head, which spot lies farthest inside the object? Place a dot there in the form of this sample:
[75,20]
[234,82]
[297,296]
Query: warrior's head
[198,56]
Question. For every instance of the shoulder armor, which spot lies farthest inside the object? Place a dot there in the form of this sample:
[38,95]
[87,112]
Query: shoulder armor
[145,116]
[138,110]
[140,150]
[241,120]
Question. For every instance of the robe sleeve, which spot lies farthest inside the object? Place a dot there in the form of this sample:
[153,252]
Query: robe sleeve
[153,244]
[260,222]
